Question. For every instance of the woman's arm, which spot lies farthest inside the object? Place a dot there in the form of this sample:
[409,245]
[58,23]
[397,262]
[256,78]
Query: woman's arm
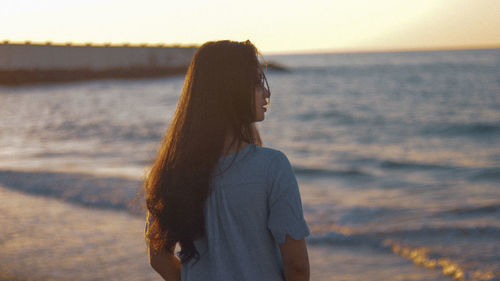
[166,264]
[295,259]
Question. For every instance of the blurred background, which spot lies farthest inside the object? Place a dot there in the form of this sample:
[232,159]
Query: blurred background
[389,112]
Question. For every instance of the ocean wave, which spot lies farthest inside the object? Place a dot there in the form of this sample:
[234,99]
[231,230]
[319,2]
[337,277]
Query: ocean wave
[400,164]
[396,165]
[486,174]
[457,267]
[346,237]
[445,231]
[361,215]
[474,129]
[82,189]
[71,154]
[337,115]
[340,239]
[346,173]
[118,193]
[492,209]
[104,130]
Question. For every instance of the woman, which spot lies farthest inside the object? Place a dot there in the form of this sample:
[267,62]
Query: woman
[232,205]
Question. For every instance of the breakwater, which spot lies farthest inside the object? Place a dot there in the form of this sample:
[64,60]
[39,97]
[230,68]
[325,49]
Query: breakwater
[24,63]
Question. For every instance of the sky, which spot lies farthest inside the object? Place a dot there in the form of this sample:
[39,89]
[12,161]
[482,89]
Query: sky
[279,26]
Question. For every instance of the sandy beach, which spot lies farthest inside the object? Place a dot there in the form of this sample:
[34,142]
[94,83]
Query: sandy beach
[48,239]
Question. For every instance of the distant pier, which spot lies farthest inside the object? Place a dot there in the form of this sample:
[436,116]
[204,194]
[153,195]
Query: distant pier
[27,63]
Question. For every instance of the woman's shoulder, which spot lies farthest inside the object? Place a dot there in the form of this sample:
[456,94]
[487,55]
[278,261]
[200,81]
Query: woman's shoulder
[270,164]
[270,154]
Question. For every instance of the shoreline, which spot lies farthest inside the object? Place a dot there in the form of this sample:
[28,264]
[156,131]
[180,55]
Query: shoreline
[56,240]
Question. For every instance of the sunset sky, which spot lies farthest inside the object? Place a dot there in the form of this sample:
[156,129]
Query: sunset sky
[274,26]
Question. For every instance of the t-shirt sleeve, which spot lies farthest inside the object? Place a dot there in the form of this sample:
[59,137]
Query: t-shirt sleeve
[285,206]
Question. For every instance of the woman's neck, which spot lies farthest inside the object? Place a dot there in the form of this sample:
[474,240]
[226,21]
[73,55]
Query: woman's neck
[230,148]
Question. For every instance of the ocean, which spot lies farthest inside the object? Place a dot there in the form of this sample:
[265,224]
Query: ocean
[396,155]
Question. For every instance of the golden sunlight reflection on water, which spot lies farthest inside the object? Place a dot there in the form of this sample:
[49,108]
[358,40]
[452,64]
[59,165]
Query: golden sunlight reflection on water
[421,257]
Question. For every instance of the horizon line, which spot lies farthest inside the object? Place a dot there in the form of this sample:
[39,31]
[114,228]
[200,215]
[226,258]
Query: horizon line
[353,50]
[383,50]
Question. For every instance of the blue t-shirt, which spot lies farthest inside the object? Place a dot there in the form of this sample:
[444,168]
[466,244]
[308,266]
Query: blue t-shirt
[253,205]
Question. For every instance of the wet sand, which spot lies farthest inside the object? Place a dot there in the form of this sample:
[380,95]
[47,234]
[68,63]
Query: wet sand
[48,239]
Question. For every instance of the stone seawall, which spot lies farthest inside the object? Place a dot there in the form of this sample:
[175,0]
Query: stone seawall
[37,63]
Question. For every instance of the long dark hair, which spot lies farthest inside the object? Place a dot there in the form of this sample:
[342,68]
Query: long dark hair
[218,100]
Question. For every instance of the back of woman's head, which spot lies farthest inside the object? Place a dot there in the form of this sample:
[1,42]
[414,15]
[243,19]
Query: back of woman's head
[218,100]
[220,84]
